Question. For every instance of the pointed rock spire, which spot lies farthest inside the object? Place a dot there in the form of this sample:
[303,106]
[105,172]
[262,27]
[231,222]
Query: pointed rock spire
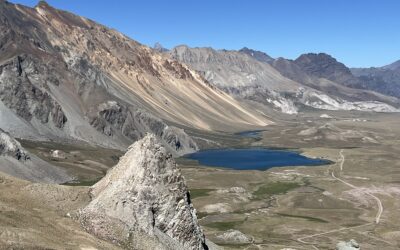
[143,202]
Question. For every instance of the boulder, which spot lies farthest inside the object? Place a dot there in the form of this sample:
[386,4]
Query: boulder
[234,237]
[350,245]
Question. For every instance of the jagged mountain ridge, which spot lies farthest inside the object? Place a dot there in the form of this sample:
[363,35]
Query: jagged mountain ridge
[279,83]
[384,79]
[322,65]
[259,55]
[291,70]
[238,74]
[393,66]
[323,72]
[67,77]
[158,47]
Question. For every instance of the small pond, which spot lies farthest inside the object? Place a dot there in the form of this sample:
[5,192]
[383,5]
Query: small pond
[256,134]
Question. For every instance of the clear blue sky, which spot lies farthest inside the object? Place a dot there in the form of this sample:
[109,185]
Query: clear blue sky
[357,32]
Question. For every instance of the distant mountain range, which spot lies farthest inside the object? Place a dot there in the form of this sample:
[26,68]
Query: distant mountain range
[311,81]
[385,80]
[309,68]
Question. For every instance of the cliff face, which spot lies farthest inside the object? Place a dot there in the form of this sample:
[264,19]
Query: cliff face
[27,100]
[143,202]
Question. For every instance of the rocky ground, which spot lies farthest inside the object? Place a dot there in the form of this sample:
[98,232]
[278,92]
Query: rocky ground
[300,208]
[142,203]
[37,216]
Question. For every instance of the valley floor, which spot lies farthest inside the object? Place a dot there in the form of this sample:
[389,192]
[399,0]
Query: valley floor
[356,197]
[38,216]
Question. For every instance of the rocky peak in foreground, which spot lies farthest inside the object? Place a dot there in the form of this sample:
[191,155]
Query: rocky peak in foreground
[143,202]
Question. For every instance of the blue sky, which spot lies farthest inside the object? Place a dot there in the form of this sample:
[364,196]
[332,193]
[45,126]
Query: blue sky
[359,33]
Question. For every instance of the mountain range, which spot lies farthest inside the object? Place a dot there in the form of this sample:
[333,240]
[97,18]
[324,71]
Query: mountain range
[315,81]
[381,79]
[67,78]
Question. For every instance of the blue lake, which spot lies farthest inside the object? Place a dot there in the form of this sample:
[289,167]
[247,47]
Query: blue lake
[253,158]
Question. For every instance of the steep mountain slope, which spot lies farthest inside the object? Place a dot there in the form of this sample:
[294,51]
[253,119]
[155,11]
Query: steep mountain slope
[143,202]
[291,70]
[384,79]
[325,66]
[231,69]
[241,75]
[280,83]
[393,66]
[322,72]
[66,77]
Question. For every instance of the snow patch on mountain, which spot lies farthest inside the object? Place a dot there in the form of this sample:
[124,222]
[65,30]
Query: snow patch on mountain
[285,105]
[323,101]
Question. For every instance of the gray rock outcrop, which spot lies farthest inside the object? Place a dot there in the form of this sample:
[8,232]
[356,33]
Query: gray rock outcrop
[26,99]
[119,121]
[143,202]
[11,147]
[234,237]
[350,245]
[16,161]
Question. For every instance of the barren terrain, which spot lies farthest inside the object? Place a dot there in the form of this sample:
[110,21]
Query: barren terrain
[314,207]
